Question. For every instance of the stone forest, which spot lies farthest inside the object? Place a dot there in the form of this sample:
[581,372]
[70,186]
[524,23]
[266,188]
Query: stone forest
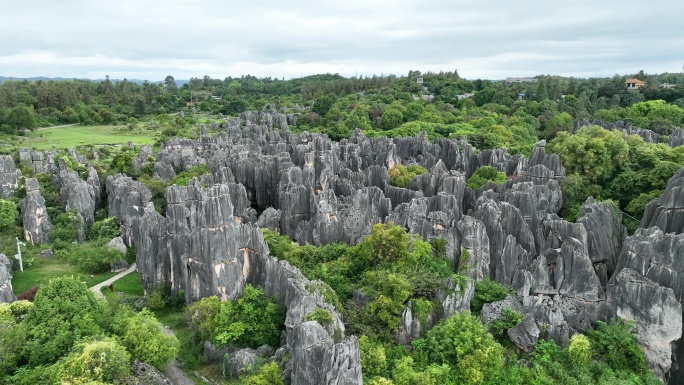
[269,251]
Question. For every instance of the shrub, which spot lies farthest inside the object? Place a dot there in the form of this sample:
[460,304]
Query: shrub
[145,339]
[617,346]
[400,176]
[487,291]
[251,321]
[580,349]
[8,214]
[90,257]
[100,360]
[201,317]
[510,318]
[322,316]
[485,174]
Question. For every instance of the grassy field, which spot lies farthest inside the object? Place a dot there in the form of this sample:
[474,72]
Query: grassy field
[74,136]
[43,270]
[130,285]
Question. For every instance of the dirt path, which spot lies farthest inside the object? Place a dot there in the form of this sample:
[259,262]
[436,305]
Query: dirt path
[176,375]
[63,125]
[97,288]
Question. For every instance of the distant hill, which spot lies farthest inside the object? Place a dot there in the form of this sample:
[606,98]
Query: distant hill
[137,81]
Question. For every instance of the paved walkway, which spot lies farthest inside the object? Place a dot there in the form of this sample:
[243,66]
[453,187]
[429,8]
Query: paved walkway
[97,288]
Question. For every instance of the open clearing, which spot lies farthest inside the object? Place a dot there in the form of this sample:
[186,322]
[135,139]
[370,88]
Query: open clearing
[74,136]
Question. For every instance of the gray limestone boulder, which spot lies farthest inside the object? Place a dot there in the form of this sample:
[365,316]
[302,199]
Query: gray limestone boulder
[164,171]
[145,374]
[6,293]
[676,138]
[474,239]
[119,264]
[317,360]
[525,335]
[269,219]
[575,275]
[456,296]
[240,363]
[494,310]
[8,176]
[667,212]
[657,256]
[37,225]
[76,194]
[655,311]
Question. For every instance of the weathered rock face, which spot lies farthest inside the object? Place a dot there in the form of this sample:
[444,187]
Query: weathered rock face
[667,212]
[655,311]
[656,256]
[37,225]
[318,360]
[76,194]
[127,200]
[6,293]
[604,234]
[8,176]
[677,138]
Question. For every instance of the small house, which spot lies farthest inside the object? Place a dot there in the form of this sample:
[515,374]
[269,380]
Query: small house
[634,83]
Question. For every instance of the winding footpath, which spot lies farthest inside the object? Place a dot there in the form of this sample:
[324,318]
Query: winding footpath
[97,289]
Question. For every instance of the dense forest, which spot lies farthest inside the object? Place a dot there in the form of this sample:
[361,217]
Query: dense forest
[620,146]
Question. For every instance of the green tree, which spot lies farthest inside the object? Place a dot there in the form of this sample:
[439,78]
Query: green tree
[21,118]
[64,310]
[462,341]
[485,174]
[392,118]
[400,176]
[8,214]
[170,84]
[103,360]
[560,122]
[323,104]
[593,152]
[146,340]
[251,320]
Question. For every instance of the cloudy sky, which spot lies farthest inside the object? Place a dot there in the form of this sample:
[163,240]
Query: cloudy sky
[491,39]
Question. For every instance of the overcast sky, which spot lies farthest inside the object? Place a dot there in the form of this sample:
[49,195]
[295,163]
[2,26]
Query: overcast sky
[489,39]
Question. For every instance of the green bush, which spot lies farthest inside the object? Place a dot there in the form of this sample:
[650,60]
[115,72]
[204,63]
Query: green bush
[146,340]
[64,230]
[105,229]
[485,174]
[8,214]
[202,317]
[616,344]
[90,257]
[487,291]
[400,176]
[102,360]
[322,316]
[64,311]
[580,349]
[184,177]
[510,318]
[250,321]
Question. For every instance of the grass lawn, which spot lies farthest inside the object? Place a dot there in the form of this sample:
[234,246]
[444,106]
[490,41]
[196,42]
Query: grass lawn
[74,136]
[130,285]
[43,270]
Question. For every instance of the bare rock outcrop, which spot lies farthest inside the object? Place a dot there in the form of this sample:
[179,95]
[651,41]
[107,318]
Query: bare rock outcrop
[6,293]
[8,176]
[667,212]
[37,225]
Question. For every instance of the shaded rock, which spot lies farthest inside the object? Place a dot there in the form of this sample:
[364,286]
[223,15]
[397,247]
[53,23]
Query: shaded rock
[239,363]
[76,194]
[575,276]
[214,355]
[47,254]
[494,310]
[605,233]
[525,334]
[6,293]
[147,375]
[475,240]
[667,212]
[269,219]
[164,171]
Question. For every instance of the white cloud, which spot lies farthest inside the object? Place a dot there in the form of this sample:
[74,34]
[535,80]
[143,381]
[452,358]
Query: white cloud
[482,39]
